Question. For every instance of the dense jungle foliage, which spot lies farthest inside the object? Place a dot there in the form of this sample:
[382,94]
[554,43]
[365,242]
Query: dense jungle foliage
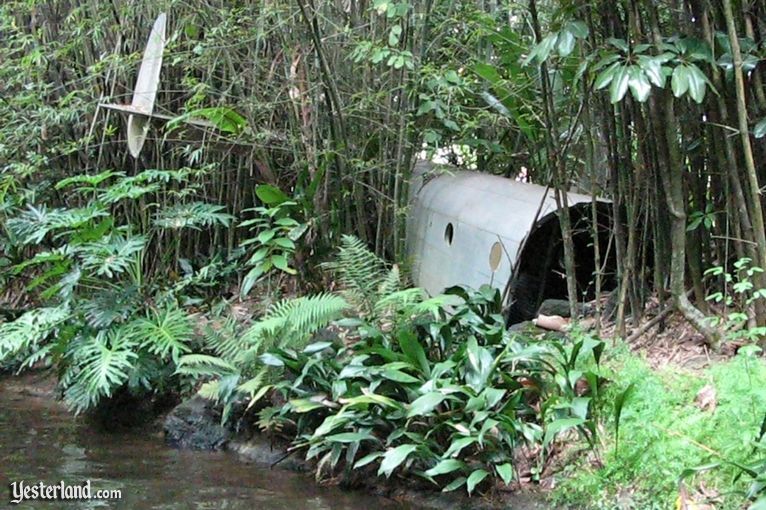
[259,258]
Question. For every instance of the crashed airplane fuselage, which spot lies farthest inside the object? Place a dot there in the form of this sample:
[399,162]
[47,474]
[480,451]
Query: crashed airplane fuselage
[469,228]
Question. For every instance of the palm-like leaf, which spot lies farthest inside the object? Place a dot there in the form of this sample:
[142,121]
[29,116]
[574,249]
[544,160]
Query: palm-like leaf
[165,332]
[28,331]
[193,215]
[32,225]
[111,255]
[111,306]
[102,364]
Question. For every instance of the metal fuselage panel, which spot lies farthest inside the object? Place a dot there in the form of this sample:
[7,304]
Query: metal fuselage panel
[482,210]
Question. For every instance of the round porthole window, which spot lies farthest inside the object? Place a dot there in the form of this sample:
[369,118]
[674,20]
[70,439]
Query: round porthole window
[495,256]
[449,231]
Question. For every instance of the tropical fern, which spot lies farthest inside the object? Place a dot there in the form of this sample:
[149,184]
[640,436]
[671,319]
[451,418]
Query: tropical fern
[204,365]
[140,355]
[359,271]
[224,340]
[365,278]
[291,322]
[400,300]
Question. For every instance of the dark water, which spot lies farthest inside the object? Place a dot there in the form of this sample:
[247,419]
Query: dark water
[40,441]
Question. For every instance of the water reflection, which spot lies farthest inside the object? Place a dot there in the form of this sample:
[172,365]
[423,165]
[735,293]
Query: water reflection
[41,442]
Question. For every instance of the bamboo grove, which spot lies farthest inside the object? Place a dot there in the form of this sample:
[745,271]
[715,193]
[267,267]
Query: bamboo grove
[658,106]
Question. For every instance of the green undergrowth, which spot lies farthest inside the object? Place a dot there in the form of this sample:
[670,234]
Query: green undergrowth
[663,432]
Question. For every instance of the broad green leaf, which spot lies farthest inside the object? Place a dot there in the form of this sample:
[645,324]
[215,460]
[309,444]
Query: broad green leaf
[697,83]
[545,47]
[259,255]
[479,365]
[266,236]
[619,86]
[559,426]
[284,242]
[578,28]
[368,459]
[445,466]
[639,84]
[399,376]
[271,360]
[270,195]
[606,76]
[455,484]
[680,80]
[565,43]
[330,423]
[457,446]
[316,347]
[505,471]
[305,405]
[371,398]
[619,44]
[475,479]
[759,131]
[488,72]
[425,404]
[493,396]
[580,407]
[224,119]
[280,262]
[619,403]
[411,347]
[351,437]
[394,457]
[652,68]
[249,280]
[542,50]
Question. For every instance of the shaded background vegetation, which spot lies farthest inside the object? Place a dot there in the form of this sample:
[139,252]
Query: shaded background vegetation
[338,99]
[320,111]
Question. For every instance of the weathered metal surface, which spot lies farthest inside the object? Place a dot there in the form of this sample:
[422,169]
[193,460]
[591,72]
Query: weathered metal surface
[459,221]
[147,84]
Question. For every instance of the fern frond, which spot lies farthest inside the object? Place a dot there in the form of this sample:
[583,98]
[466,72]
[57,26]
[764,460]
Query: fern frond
[209,390]
[112,305]
[290,323]
[224,341]
[253,385]
[203,365]
[359,271]
[390,283]
[92,182]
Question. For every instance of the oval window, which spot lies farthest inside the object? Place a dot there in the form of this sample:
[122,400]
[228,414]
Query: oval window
[495,256]
[449,231]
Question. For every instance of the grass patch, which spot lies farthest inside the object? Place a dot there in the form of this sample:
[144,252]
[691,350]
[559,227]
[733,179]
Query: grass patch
[661,431]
